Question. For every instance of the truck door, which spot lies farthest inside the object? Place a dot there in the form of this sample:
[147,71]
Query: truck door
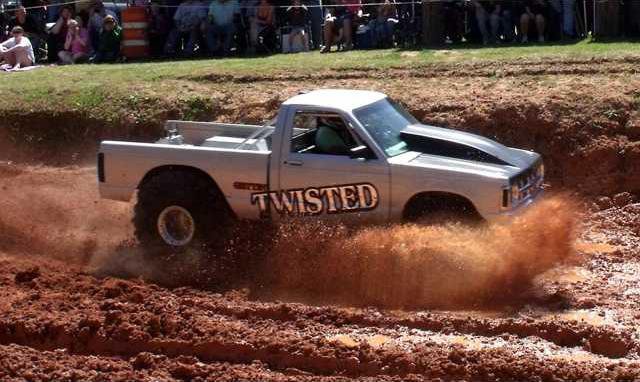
[327,170]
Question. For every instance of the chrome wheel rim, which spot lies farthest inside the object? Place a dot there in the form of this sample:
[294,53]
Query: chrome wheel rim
[176,226]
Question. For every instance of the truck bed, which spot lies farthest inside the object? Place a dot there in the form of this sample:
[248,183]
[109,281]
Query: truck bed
[219,135]
[230,154]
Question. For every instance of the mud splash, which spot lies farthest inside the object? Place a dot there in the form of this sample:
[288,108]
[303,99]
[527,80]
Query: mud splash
[57,212]
[413,266]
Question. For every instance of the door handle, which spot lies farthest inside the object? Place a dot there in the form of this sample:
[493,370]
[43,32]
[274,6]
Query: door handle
[294,162]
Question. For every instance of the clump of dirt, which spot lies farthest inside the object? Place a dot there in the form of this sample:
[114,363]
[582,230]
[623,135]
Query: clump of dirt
[418,266]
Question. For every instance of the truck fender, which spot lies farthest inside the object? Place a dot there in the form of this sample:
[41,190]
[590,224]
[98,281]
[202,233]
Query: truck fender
[181,168]
[441,200]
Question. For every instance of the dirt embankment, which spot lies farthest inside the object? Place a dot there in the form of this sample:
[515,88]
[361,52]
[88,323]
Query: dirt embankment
[586,127]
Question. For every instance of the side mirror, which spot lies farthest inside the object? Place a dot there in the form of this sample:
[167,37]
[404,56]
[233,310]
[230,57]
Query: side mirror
[361,152]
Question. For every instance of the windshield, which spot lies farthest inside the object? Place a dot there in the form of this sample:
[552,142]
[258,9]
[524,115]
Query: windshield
[384,120]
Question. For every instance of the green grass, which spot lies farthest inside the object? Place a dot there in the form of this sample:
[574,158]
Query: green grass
[89,87]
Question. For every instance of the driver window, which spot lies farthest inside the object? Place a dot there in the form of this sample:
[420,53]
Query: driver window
[321,133]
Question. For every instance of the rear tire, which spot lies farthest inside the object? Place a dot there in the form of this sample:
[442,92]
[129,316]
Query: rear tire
[179,212]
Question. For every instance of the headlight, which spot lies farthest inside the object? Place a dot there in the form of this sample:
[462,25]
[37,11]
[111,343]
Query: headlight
[541,170]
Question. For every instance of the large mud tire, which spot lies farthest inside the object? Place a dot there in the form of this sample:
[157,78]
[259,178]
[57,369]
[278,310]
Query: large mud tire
[191,197]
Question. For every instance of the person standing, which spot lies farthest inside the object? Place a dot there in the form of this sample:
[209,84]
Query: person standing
[297,16]
[220,26]
[189,20]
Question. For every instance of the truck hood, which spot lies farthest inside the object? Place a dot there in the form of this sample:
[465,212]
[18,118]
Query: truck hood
[520,159]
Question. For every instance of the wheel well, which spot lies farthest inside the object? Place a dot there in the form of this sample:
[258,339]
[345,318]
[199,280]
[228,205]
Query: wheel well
[427,202]
[179,168]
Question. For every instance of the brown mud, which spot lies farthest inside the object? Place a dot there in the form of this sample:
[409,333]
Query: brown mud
[551,295]
[522,301]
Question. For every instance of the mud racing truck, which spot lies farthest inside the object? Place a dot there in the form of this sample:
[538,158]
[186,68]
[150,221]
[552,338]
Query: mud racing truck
[339,155]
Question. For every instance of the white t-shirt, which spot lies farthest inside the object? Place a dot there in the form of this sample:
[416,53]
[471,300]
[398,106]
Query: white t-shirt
[24,42]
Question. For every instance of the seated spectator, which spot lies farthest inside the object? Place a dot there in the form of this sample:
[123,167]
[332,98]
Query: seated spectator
[453,21]
[263,29]
[384,24]
[338,24]
[533,11]
[33,29]
[297,16]
[220,28]
[76,47]
[58,34]
[189,21]
[486,17]
[97,13]
[108,49]
[568,18]
[17,51]
[159,28]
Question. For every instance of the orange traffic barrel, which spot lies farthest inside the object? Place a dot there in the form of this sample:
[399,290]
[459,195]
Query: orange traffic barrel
[135,42]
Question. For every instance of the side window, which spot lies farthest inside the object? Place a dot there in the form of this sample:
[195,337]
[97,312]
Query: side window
[321,133]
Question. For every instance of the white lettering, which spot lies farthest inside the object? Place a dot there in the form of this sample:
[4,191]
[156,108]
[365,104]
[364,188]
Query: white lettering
[329,192]
[349,198]
[368,196]
[312,197]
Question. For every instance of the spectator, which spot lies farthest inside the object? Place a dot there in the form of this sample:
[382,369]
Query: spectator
[53,10]
[189,21]
[533,11]
[263,27]
[76,47]
[297,16]
[108,49]
[37,11]
[384,24]
[487,15]
[159,28]
[17,51]
[568,17]
[338,24]
[28,23]
[504,11]
[58,34]
[97,13]
[221,28]
[453,21]
[33,30]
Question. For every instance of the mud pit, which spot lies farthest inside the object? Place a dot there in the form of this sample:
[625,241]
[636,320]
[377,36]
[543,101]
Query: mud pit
[551,296]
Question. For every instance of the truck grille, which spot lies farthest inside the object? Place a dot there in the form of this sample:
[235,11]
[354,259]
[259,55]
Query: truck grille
[529,182]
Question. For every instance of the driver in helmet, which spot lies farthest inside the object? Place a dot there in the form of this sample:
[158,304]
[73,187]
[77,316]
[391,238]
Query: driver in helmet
[332,136]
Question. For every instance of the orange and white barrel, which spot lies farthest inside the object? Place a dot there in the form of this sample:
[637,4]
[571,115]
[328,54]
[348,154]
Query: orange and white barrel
[135,23]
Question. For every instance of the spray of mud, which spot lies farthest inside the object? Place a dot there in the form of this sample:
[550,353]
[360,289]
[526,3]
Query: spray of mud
[56,212]
[412,266]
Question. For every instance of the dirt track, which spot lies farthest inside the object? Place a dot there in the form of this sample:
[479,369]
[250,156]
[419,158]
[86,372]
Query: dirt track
[551,296]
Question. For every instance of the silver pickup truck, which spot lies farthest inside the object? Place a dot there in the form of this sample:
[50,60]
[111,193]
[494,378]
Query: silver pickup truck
[340,155]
